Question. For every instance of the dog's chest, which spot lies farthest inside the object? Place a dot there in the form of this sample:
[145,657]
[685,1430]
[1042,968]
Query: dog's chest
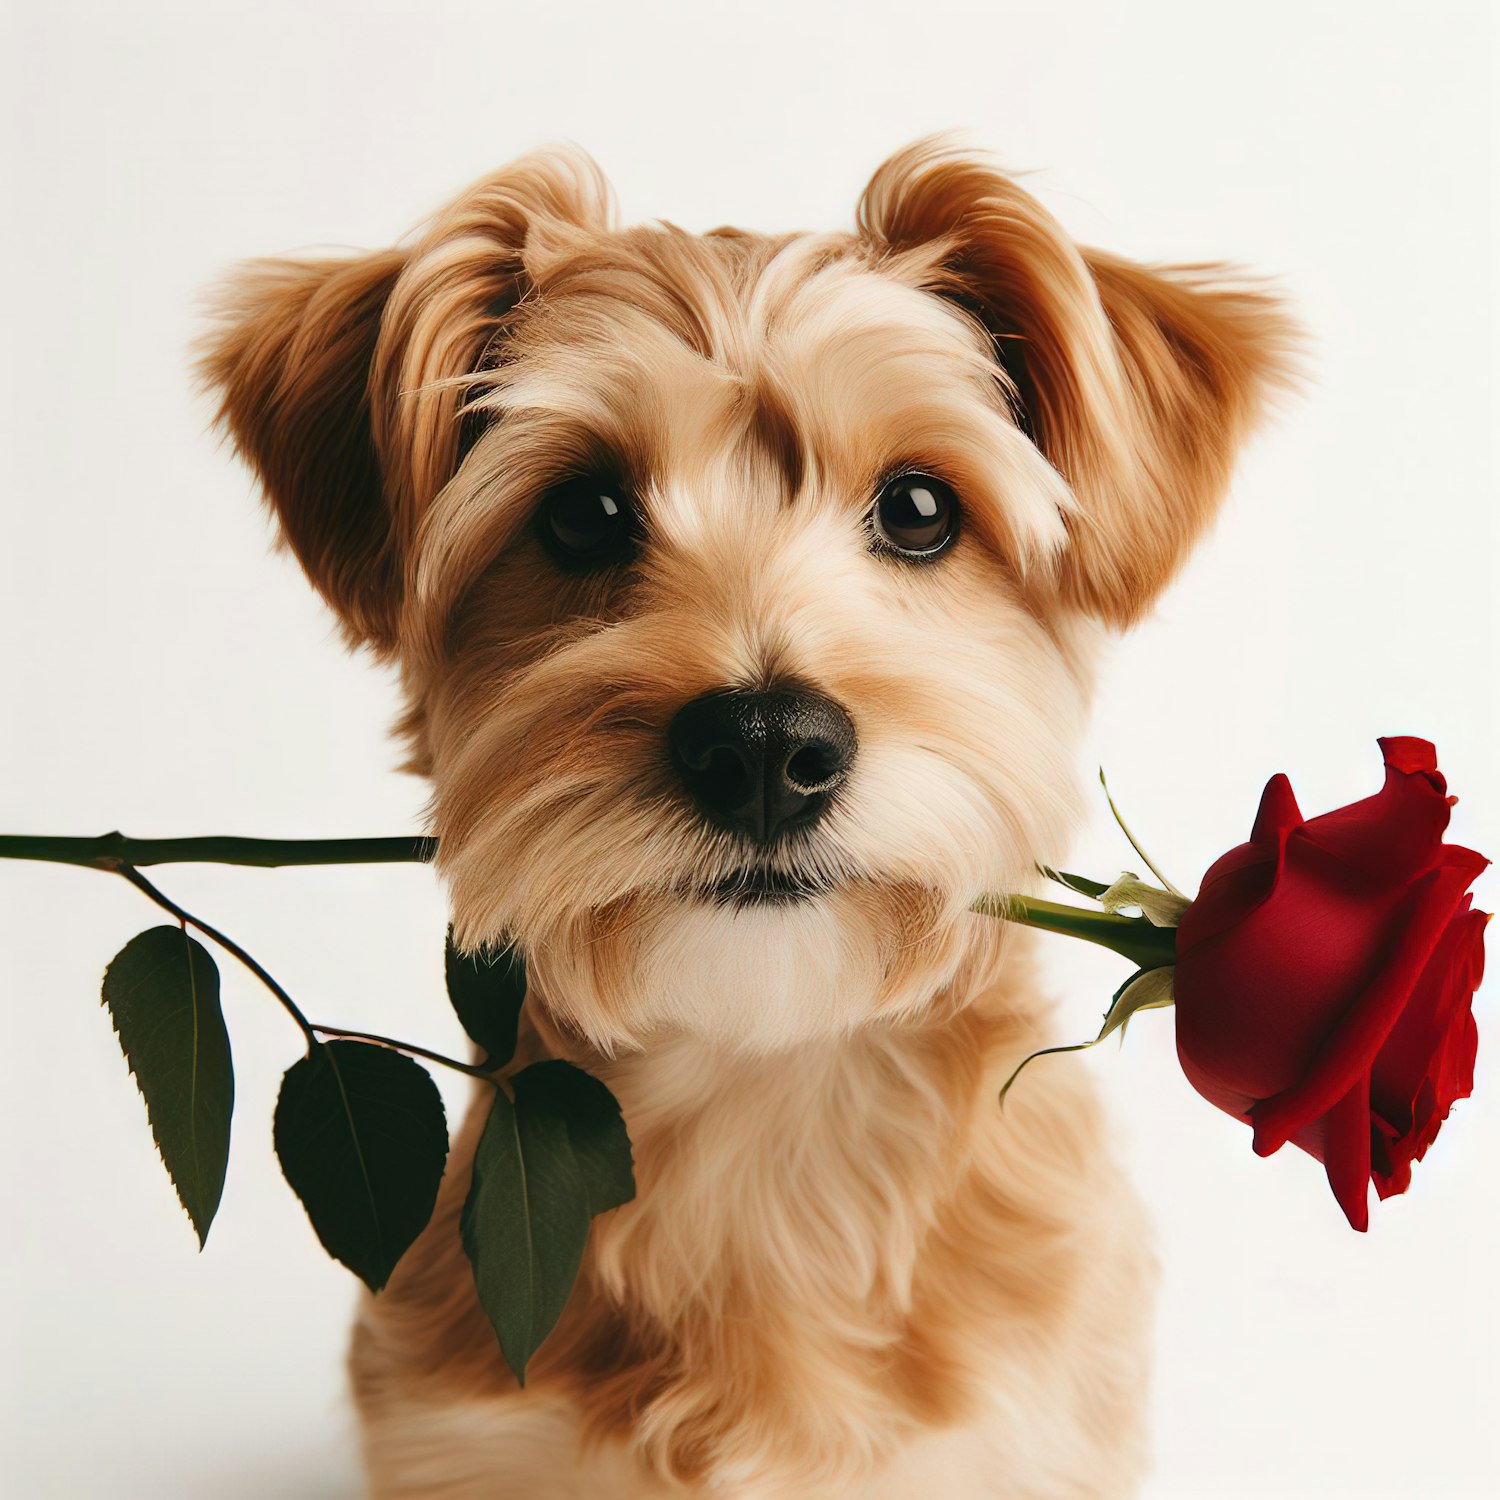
[864,1307]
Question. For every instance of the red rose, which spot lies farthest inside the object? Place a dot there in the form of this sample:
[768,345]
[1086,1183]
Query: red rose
[1325,976]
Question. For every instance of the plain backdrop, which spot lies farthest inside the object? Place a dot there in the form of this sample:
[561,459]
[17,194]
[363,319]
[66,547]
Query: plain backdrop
[164,672]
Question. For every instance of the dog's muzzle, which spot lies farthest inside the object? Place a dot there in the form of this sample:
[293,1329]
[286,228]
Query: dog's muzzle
[762,764]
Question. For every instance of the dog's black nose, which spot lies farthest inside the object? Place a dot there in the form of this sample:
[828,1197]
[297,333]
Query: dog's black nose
[762,764]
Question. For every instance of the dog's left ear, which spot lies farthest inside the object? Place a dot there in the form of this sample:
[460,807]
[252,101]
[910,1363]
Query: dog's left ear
[1137,383]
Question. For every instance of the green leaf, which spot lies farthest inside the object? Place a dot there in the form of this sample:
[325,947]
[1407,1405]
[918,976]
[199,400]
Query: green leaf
[544,1166]
[487,990]
[162,991]
[362,1138]
[596,1131]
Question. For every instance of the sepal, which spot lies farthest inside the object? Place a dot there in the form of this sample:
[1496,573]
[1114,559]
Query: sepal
[1146,989]
[1160,908]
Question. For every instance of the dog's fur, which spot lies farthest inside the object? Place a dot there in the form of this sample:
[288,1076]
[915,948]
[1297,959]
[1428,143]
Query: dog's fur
[846,1273]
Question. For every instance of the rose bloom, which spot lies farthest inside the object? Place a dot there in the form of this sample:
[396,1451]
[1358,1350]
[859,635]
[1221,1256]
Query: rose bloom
[1325,977]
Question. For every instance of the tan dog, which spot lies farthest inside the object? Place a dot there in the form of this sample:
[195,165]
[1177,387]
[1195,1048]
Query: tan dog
[745,591]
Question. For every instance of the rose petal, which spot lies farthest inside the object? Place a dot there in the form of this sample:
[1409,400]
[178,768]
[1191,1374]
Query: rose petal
[1418,1044]
[1394,835]
[1277,814]
[1257,1002]
[1235,885]
[1238,881]
[1352,1044]
[1346,1152]
[1391,1174]
[1427,1063]
[1414,757]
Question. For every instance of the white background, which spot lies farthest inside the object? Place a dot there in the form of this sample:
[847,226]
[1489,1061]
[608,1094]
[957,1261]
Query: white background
[162,672]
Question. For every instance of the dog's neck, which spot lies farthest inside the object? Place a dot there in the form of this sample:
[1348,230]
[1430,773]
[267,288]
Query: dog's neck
[842,1148]
[817,1221]
[813,1171]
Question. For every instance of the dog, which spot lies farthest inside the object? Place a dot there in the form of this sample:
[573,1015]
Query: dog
[746,592]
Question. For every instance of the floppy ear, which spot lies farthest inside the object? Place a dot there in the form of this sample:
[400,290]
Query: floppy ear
[1137,383]
[291,363]
[341,381]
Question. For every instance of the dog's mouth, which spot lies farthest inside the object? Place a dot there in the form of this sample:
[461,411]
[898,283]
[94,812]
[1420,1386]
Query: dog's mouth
[755,885]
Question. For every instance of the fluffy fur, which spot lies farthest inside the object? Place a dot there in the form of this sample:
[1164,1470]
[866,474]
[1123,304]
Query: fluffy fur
[845,1273]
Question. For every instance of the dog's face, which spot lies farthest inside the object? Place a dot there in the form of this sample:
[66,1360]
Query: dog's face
[744,588]
[743,701]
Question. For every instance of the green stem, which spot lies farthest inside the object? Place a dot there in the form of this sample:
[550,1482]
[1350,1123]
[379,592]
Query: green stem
[1134,938]
[409,1047]
[228,944]
[312,1030]
[113,851]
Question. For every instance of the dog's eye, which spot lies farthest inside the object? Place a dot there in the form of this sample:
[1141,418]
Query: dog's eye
[588,522]
[915,515]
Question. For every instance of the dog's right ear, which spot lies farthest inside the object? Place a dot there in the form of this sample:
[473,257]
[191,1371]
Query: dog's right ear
[342,381]
[291,361]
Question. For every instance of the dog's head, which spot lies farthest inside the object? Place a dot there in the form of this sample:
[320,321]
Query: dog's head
[744,588]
